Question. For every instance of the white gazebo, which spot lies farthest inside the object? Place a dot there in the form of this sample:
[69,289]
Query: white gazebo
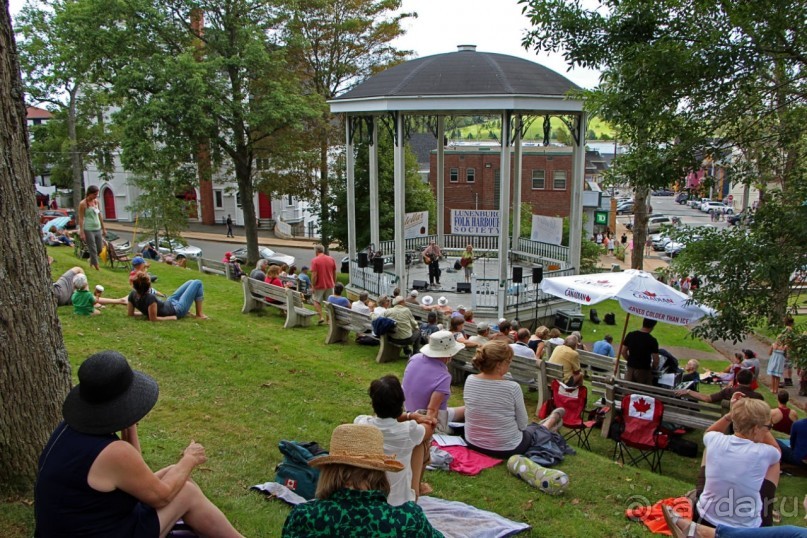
[463,83]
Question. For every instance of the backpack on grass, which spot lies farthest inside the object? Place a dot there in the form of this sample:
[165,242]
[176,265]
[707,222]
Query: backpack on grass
[294,471]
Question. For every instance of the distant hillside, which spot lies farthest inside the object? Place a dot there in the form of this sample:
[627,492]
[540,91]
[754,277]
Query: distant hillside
[489,130]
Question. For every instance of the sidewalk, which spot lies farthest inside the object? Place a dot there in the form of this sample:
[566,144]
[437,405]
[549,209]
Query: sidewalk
[205,232]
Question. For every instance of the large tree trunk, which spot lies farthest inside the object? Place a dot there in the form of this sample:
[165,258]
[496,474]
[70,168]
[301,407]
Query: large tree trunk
[243,175]
[639,227]
[34,369]
[76,165]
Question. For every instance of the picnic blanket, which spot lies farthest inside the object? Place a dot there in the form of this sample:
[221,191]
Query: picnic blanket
[453,518]
[467,461]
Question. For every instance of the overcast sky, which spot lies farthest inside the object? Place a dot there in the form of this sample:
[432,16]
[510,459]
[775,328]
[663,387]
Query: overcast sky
[493,26]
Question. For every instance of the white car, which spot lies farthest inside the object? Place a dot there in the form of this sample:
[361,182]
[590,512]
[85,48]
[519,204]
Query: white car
[266,253]
[703,203]
[173,246]
[720,207]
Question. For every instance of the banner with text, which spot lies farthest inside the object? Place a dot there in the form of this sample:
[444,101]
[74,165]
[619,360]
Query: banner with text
[416,224]
[547,229]
[475,221]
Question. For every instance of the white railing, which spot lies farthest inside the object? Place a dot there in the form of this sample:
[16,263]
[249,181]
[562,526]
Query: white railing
[545,251]
[375,283]
[525,294]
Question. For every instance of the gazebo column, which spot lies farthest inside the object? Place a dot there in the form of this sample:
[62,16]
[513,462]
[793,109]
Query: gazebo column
[400,200]
[504,212]
[350,165]
[517,184]
[578,177]
[441,177]
[375,237]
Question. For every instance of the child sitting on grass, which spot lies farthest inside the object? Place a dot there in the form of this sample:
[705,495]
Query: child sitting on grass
[83,301]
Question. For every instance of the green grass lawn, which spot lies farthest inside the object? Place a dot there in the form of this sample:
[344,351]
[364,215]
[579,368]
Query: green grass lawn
[239,383]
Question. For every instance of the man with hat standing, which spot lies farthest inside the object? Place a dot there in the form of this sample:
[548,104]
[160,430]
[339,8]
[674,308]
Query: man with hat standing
[93,483]
[427,381]
[431,257]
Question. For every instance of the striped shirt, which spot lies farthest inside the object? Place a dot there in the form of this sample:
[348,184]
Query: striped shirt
[495,414]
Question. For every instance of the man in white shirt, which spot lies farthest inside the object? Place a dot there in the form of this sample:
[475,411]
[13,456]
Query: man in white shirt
[361,304]
[482,335]
[520,347]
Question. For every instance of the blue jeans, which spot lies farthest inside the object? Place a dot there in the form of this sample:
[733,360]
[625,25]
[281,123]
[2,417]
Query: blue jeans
[787,454]
[786,531]
[185,296]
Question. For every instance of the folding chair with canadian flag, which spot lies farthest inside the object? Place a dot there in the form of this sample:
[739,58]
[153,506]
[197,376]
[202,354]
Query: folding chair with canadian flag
[573,400]
[641,419]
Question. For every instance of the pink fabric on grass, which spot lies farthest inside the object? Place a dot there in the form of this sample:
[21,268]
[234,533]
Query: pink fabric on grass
[467,461]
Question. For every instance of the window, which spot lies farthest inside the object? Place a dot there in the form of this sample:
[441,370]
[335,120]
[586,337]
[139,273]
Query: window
[470,175]
[219,199]
[538,179]
[290,201]
[454,175]
[559,180]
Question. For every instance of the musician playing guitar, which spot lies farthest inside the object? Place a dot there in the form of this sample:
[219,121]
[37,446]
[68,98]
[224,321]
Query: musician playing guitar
[431,257]
[467,262]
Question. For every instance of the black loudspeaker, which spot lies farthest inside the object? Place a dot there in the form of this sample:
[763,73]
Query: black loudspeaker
[420,285]
[537,274]
[378,264]
[363,260]
[593,316]
[463,287]
[518,275]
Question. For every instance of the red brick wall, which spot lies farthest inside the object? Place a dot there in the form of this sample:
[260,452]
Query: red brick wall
[480,193]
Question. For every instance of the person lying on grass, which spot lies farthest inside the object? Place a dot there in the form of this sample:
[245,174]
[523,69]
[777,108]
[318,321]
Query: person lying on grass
[93,483]
[143,302]
[407,437]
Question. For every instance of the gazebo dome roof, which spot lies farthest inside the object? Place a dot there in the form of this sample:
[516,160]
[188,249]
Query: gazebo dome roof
[463,73]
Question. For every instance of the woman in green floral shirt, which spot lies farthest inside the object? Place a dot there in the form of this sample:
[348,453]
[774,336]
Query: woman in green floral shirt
[352,493]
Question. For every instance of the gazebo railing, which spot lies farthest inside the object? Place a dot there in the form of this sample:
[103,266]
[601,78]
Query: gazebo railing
[534,251]
[525,294]
[375,283]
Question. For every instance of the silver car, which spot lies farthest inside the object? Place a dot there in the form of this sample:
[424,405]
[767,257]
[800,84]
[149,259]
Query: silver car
[166,245]
[275,258]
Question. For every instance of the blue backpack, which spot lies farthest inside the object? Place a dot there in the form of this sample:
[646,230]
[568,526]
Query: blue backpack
[294,471]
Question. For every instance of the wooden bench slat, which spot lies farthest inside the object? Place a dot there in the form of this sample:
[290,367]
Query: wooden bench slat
[258,294]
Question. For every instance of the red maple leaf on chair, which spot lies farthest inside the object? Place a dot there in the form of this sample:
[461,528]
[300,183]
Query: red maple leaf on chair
[641,405]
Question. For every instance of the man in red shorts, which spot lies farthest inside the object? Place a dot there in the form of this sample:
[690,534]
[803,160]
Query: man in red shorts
[323,278]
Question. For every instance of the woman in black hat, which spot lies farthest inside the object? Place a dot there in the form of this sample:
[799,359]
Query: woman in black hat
[92,483]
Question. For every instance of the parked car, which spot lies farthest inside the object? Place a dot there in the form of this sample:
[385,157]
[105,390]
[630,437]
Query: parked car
[682,197]
[656,222]
[720,207]
[661,242]
[173,245]
[674,248]
[625,208]
[663,192]
[696,202]
[703,203]
[743,217]
[275,258]
[47,215]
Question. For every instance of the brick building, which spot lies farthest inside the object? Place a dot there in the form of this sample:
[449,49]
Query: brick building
[472,178]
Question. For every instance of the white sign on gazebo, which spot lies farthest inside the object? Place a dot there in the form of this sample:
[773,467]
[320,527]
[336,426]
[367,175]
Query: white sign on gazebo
[416,224]
[547,229]
[475,221]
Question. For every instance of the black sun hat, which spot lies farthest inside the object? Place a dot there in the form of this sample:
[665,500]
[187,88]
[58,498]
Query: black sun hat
[110,396]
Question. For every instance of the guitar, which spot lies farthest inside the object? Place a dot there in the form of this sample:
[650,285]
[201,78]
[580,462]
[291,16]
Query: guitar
[427,259]
[464,262]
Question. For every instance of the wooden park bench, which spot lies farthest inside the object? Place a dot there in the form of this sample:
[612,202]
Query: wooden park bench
[215,267]
[342,321]
[523,371]
[258,294]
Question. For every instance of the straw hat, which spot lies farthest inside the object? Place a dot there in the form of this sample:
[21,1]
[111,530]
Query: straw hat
[110,396]
[441,344]
[359,445]
[442,301]
[427,300]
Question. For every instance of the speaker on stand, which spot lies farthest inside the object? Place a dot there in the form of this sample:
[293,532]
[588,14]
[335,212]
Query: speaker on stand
[537,277]
[378,268]
[363,262]
[518,277]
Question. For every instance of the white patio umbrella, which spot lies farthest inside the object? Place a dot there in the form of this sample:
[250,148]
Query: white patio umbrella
[636,291]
